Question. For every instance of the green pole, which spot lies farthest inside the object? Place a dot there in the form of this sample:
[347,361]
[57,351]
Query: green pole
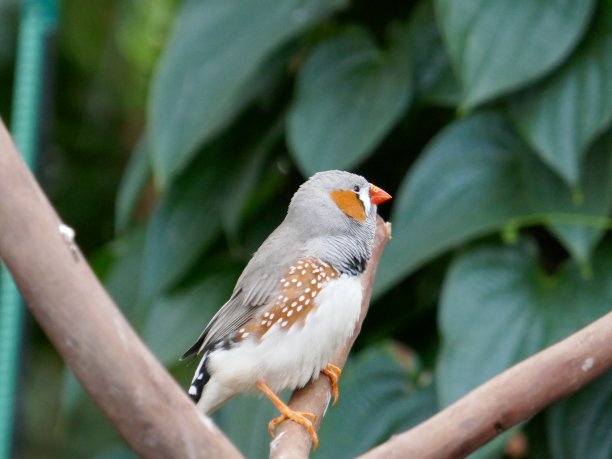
[38,19]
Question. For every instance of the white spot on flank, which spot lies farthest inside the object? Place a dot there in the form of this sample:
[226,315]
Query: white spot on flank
[294,280]
[588,364]
[241,330]
[299,308]
[305,302]
[285,299]
[303,272]
[307,265]
[294,304]
[307,290]
[266,314]
[289,313]
[284,324]
[286,284]
[245,335]
[314,281]
[319,285]
[285,309]
[263,322]
[271,316]
[299,284]
[313,294]
[301,298]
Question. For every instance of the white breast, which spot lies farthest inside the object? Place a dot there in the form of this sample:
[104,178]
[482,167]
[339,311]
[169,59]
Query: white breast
[287,359]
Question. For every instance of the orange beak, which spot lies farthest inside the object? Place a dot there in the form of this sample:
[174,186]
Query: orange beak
[378,195]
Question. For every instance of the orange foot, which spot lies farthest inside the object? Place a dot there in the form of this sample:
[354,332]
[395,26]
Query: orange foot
[302,418]
[333,373]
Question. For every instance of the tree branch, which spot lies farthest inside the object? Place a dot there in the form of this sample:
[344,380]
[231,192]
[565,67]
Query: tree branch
[509,398]
[152,413]
[292,440]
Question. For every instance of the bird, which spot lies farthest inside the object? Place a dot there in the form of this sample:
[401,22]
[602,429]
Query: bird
[297,300]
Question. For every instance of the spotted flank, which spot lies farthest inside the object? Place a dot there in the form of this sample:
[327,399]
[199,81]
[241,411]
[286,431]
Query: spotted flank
[299,288]
[200,379]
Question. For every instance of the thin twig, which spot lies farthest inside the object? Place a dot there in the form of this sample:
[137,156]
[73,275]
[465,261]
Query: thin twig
[140,398]
[292,440]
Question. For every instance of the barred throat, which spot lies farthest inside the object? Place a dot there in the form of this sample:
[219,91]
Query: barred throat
[347,255]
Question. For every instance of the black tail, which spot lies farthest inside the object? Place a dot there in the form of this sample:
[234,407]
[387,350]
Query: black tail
[200,378]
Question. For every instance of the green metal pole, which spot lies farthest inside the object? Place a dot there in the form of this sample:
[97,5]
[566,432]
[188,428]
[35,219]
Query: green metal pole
[38,18]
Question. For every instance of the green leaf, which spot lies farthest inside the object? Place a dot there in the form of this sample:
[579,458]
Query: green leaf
[562,116]
[433,77]
[578,221]
[499,306]
[476,177]
[579,427]
[123,277]
[185,222]
[500,45]
[244,181]
[132,183]
[349,95]
[244,420]
[211,193]
[214,52]
[176,319]
[377,380]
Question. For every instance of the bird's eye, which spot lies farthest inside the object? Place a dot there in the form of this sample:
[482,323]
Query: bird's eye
[356,189]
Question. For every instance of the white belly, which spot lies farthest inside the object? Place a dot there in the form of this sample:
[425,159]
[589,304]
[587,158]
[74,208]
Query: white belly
[287,359]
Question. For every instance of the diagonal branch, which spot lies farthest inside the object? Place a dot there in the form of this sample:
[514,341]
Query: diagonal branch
[131,387]
[292,440]
[509,398]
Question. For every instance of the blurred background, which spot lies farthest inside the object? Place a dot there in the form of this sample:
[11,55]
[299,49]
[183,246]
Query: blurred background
[171,136]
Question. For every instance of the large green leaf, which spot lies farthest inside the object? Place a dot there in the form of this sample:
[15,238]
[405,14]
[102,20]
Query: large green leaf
[349,94]
[132,183]
[184,223]
[211,194]
[475,177]
[378,380]
[176,319]
[499,306]
[434,81]
[122,280]
[205,73]
[561,116]
[378,398]
[579,221]
[579,427]
[500,45]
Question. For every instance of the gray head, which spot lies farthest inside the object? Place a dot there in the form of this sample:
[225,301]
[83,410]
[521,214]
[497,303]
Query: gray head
[334,213]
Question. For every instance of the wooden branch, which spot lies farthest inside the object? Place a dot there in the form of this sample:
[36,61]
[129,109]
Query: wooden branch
[292,440]
[511,397]
[152,413]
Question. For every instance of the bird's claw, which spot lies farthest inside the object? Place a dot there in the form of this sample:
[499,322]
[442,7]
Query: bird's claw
[303,418]
[333,373]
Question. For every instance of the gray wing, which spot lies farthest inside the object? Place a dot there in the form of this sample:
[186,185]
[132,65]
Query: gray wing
[257,286]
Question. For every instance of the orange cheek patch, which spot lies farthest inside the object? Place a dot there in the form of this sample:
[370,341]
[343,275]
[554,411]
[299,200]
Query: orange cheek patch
[349,203]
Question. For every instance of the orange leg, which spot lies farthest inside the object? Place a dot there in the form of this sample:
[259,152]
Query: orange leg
[304,419]
[333,373]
